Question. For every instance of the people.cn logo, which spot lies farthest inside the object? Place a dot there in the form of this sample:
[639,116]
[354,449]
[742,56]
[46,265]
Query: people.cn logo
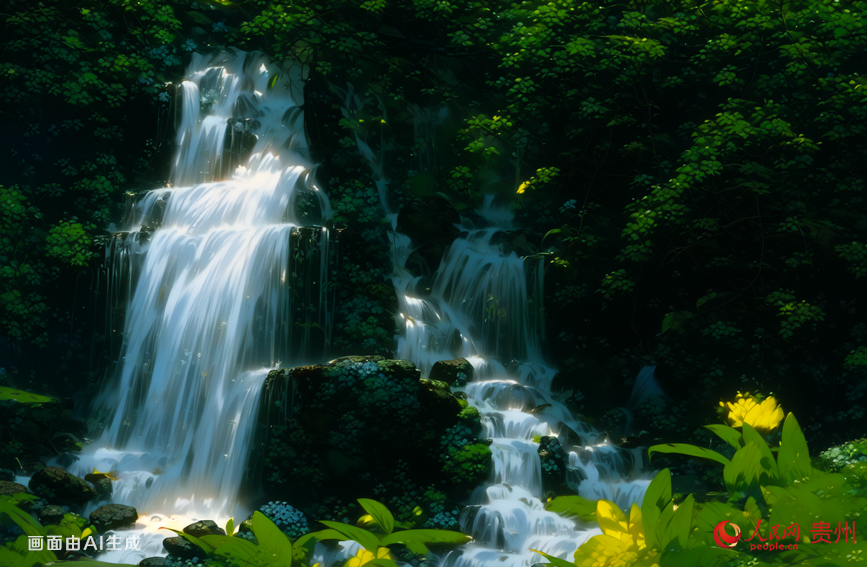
[723,539]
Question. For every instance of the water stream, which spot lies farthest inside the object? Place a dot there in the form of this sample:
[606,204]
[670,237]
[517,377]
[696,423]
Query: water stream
[218,267]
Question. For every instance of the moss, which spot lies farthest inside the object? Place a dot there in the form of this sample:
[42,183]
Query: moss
[469,466]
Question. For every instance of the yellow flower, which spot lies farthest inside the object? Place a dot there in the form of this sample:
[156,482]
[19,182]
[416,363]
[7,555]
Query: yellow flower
[622,543]
[763,417]
[363,556]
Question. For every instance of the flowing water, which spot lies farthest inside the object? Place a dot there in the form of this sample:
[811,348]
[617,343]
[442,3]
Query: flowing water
[485,305]
[223,283]
[219,282]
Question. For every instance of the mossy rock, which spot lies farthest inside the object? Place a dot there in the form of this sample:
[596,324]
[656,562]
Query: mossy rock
[456,372]
[61,487]
[469,466]
[437,396]
[112,517]
[36,417]
[553,459]
[203,528]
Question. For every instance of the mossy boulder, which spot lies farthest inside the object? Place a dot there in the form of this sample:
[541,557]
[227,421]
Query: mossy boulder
[456,372]
[52,515]
[203,528]
[61,487]
[112,517]
[359,425]
[8,488]
[182,548]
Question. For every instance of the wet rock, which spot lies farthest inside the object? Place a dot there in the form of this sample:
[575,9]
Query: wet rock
[203,528]
[102,484]
[438,396]
[61,487]
[182,548]
[7,475]
[113,516]
[36,416]
[52,515]
[553,460]
[456,372]
[154,562]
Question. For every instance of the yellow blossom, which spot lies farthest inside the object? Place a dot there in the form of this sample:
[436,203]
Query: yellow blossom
[363,556]
[764,417]
[622,543]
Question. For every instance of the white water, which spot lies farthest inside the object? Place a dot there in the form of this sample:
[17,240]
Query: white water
[210,310]
[485,305]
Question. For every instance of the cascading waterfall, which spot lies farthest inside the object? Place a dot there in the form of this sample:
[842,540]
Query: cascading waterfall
[485,305]
[224,280]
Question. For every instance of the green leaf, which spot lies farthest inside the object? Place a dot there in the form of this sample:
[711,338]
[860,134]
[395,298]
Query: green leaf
[368,540]
[272,539]
[425,537]
[794,456]
[237,549]
[230,526]
[656,497]
[555,561]
[728,434]
[745,468]
[688,450]
[204,546]
[570,506]
[379,513]
[767,462]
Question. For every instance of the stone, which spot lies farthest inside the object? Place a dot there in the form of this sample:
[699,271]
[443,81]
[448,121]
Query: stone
[456,372]
[102,484]
[61,487]
[182,548]
[154,562]
[8,488]
[553,459]
[7,475]
[438,397]
[113,516]
[52,515]
[203,528]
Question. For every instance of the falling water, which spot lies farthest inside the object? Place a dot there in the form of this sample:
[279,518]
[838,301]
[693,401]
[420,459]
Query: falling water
[224,281]
[485,305]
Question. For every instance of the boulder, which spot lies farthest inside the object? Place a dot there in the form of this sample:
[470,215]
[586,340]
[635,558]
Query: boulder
[181,548]
[52,515]
[8,488]
[113,516]
[6,474]
[102,484]
[61,487]
[203,528]
[155,562]
[456,372]
[438,396]
[553,459]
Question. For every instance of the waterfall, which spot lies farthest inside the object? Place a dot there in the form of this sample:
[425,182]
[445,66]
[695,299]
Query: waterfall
[226,276]
[485,305]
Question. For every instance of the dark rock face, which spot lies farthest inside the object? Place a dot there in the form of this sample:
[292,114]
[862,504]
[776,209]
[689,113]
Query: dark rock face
[60,486]
[113,516]
[203,528]
[7,475]
[181,547]
[154,562]
[102,484]
[52,515]
[438,396]
[455,373]
[430,224]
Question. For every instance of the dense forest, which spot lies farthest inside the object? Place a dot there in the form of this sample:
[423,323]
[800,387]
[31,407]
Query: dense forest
[689,177]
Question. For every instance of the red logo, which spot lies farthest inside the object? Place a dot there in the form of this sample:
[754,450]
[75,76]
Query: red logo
[723,539]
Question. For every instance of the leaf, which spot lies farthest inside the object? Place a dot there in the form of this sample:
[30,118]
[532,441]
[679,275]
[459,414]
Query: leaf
[380,514]
[794,456]
[367,540]
[204,546]
[656,497]
[745,468]
[230,526]
[611,518]
[728,434]
[24,520]
[272,539]
[556,561]
[426,537]
[570,506]
[767,462]
[237,549]
[688,450]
